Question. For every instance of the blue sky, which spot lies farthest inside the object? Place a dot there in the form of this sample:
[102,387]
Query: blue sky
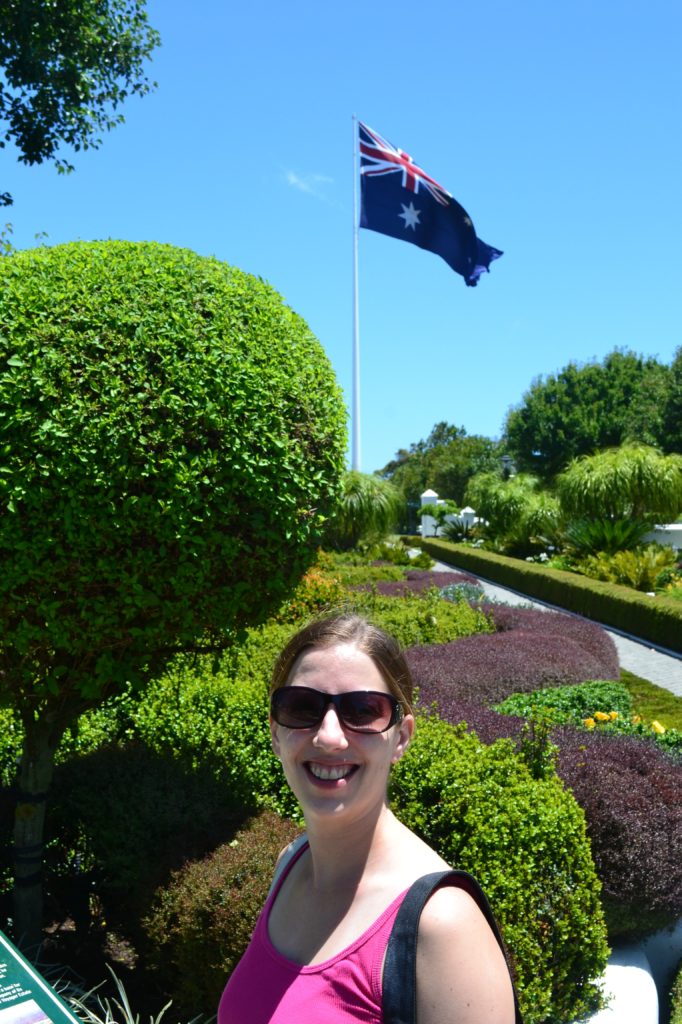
[556,125]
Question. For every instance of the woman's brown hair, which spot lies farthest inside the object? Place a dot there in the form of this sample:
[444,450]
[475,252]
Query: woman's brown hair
[381,647]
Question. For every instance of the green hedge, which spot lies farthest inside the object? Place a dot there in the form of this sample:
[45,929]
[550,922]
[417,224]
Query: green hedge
[658,620]
[676,998]
[524,838]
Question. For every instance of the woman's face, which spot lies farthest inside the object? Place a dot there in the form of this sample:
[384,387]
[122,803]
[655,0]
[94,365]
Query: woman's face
[330,768]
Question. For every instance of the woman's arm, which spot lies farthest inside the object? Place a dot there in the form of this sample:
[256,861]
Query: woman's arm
[462,977]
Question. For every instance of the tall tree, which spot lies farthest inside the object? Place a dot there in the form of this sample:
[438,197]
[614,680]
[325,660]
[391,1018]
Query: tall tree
[671,439]
[173,440]
[445,461]
[583,409]
[67,65]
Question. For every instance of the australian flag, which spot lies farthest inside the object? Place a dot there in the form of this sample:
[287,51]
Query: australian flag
[401,200]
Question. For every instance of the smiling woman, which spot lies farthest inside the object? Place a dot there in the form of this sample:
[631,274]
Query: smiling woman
[341,715]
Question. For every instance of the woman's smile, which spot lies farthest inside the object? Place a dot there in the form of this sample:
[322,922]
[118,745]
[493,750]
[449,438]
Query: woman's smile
[330,772]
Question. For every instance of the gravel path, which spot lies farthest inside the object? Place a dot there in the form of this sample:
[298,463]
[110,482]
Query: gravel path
[664,668]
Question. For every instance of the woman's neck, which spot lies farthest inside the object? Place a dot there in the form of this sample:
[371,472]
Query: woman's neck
[346,855]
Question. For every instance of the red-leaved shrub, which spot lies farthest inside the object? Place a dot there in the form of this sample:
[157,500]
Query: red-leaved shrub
[202,920]
[531,649]
[488,725]
[589,635]
[489,667]
[631,792]
[440,579]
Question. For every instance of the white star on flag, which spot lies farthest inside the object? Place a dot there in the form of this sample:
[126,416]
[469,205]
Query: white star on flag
[410,216]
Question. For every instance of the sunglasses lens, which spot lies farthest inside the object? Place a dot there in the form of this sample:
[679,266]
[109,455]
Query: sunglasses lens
[366,712]
[297,707]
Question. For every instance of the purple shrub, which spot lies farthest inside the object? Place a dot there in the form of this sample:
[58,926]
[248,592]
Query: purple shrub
[485,669]
[588,634]
[488,725]
[631,792]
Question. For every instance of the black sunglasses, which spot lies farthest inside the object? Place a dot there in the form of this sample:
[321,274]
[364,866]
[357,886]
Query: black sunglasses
[299,707]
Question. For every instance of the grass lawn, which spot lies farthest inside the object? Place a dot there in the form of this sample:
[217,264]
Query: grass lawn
[653,702]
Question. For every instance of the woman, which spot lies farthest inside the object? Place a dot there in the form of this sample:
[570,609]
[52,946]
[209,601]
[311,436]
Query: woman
[340,717]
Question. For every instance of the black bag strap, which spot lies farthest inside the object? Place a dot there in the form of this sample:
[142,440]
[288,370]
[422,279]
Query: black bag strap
[399,989]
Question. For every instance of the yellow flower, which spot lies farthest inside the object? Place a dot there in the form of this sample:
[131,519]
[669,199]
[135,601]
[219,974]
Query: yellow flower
[613,715]
[601,717]
[589,722]
[636,719]
[657,727]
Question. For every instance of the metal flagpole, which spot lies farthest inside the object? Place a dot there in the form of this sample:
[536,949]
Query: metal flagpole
[355,451]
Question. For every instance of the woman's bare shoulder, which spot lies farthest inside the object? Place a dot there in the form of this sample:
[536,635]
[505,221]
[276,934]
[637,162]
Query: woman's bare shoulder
[461,971]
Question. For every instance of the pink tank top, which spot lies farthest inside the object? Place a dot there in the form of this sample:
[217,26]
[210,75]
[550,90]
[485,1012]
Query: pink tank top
[267,988]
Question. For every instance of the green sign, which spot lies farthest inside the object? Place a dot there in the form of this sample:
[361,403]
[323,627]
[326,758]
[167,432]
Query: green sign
[25,997]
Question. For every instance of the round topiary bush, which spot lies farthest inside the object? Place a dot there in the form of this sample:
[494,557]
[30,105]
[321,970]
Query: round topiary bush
[524,839]
[203,920]
[173,439]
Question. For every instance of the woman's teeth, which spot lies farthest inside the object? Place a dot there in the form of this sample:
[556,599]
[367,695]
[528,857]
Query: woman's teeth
[330,772]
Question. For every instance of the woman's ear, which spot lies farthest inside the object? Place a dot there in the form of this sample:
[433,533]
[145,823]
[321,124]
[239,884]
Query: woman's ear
[405,732]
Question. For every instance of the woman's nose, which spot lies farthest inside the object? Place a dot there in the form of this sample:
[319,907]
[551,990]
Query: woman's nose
[330,732]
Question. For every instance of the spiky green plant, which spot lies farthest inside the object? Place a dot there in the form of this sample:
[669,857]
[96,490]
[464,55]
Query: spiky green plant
[516,510]
[588,536]
[639,569]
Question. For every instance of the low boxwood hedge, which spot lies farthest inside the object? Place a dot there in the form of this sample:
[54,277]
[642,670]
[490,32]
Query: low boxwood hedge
[525,840]
[676,998]
[658,620]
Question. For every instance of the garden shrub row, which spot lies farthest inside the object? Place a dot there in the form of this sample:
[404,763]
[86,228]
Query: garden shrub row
[658,620]
[415,582]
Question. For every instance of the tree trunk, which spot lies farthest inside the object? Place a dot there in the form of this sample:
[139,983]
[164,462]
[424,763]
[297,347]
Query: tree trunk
[34,778]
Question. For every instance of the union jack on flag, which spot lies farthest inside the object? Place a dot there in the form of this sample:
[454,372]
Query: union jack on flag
[399,199]
[377,156]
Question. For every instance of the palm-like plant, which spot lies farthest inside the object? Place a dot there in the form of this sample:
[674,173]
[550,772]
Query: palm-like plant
[369,509]
[639,569]
[634,481]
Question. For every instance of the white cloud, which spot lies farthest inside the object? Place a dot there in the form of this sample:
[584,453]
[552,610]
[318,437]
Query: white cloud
[311,184]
